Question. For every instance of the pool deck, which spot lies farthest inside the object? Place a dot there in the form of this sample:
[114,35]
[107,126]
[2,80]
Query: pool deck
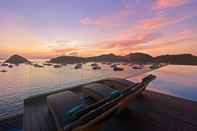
[150,112]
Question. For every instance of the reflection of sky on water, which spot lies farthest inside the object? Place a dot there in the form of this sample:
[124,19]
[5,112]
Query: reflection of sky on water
[24,81]
[180,81]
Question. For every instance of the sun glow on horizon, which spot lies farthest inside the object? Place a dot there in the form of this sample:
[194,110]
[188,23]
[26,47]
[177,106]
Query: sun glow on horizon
[119,27]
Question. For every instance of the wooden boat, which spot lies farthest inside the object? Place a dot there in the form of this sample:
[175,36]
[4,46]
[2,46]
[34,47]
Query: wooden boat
[47,64]
[78,66]
[38,66]
[138,67]
[4,64]
[94,64]
[113,65]
[10,66]
[96,67]
[118,68]
[56,66]
[99,100]
[3,71]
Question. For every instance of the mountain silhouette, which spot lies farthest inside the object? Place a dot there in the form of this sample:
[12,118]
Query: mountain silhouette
[16,59]
[180,59]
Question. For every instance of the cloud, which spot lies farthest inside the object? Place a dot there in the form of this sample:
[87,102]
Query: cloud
[163,4]
[63,41]
[128,43]
[151,25]
[73,54]
[65,50]
[160,22]
[109,21]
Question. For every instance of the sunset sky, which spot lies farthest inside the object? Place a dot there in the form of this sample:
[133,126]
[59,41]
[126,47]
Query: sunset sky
[48,28]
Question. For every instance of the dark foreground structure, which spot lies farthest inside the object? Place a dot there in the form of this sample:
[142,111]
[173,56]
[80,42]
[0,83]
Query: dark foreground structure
[149,112]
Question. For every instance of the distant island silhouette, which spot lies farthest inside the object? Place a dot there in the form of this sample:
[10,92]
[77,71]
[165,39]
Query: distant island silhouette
[140,58]
[17,59]
[179,59]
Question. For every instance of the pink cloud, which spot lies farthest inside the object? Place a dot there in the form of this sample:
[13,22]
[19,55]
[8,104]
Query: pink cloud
[108,21]
[128,43]
[150,25]
[66,50]
[160,22]
[163,4]
[99,23]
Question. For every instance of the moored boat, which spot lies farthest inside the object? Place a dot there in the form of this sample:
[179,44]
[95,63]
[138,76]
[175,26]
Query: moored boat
[96,67]
[78,66]
[138,67]
[47,64]
[38,66]
[4,64]
[10,66]
[81,107]
[118,68]
[3,71]
[113,65]
[56,66]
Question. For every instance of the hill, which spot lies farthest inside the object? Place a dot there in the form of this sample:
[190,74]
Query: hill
[139,58]
[16,59]
[107,58]
[181,59]
[67,60]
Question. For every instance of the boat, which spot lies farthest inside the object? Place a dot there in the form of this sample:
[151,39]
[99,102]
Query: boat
[56,66]
[38,66]
[10,66]
[3,71]
[138,67]
[96,67]
[47,64]
[118,68]
[81,108]
[94,64]
[4,64]
[78,66]
[113,65]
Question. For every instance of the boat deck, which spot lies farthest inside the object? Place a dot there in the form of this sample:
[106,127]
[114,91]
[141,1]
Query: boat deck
[150,112]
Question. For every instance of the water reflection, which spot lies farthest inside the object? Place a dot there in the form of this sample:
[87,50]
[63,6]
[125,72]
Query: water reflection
[176,80]
[25,80]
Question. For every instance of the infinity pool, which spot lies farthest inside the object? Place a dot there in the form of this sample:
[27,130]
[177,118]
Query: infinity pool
[175,80]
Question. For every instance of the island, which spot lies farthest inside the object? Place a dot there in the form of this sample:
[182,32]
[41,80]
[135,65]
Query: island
[138,58]
[16,59]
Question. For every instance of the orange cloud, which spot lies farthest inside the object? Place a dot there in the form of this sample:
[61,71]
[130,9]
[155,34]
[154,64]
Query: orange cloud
[163,4]
[65,50]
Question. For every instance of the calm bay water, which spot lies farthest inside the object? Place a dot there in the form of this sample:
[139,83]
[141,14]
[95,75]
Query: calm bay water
[24,81]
